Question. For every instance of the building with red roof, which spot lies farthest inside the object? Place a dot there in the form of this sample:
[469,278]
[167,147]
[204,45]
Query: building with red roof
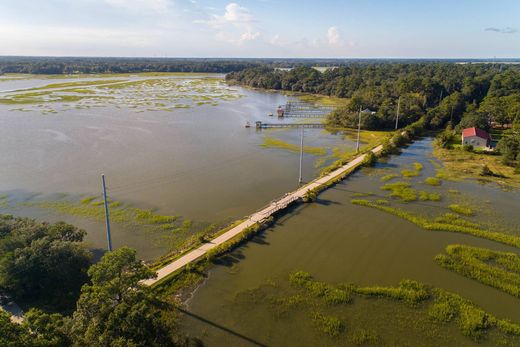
[476,137]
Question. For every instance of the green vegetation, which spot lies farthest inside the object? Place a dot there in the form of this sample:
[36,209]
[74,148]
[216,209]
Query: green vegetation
[42,264]
[460,164]
[432,181]
[461,209]
[328,293]
[427,196]
[493,268]
[401,190]
[446,224]
[114,309]
[89,207]
[441,306]
[329,325]
[86,66]
[388,177]
[417,167]
[271,142]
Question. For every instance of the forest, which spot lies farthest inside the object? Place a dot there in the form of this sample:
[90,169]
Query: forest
[445,94]
[46,269]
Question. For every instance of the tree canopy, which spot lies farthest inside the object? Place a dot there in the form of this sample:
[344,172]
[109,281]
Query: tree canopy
[42,263]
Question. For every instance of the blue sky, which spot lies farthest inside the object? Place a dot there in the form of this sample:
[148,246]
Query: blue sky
[261,28]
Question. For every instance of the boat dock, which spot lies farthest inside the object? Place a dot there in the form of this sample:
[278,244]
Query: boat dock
[261,125]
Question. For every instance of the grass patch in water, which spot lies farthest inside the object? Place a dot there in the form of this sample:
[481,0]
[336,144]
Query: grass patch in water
[497,269]
[388,177]
[401,190]
[359,194]
[432,181]
[417,168]
[409,173]
[88,208]
[444,225]
[427,196]
[442,307]
[271,142]
[461,209]
[329,325]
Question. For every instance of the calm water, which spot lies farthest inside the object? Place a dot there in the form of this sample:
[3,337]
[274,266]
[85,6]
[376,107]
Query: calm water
[200,163]
[339,242]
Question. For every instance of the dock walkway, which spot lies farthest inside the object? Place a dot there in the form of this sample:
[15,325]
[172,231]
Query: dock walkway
[257,217]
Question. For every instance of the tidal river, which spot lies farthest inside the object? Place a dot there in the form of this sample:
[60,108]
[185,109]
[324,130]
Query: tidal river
[173,144]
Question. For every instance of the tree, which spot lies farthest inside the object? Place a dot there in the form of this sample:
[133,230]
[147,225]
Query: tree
[41,262]
[12,334]
[117,310]
[509,145]
[473,118]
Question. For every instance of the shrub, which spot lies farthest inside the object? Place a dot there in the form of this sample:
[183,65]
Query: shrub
[486,171]
[370,159]
[468,148]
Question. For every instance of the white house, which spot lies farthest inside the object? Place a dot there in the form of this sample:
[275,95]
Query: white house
[475,137]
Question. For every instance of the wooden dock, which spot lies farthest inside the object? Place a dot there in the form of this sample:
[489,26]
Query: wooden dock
[261,125]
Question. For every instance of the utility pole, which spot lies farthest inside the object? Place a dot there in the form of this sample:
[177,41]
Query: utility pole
[109,238]
[397,116]
[358,130]
[300,180]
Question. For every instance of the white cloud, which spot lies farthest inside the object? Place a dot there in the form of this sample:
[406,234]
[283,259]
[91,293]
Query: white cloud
[235,14]
[333,37]
[140,5]
[236,25]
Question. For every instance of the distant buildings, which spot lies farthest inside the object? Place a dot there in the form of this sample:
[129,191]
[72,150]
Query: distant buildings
[476,137]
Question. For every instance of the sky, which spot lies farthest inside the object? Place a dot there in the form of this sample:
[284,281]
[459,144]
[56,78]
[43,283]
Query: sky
[262,28]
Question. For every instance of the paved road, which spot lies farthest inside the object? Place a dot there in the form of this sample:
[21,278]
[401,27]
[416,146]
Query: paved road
[256,217]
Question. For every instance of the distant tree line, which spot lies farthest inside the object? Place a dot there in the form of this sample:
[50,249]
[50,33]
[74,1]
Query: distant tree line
[75,65]
[45,267]
[51,65]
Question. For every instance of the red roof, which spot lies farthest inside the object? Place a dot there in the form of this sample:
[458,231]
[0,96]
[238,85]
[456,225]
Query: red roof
[476,132]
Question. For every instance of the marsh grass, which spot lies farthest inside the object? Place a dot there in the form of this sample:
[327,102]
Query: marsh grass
[461,209]
[401,191]
[439,305]
[497,269]
[271,142]
[388,177]
[445,224]
[89,208]
[427,196]
[433,181]
[329,325]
